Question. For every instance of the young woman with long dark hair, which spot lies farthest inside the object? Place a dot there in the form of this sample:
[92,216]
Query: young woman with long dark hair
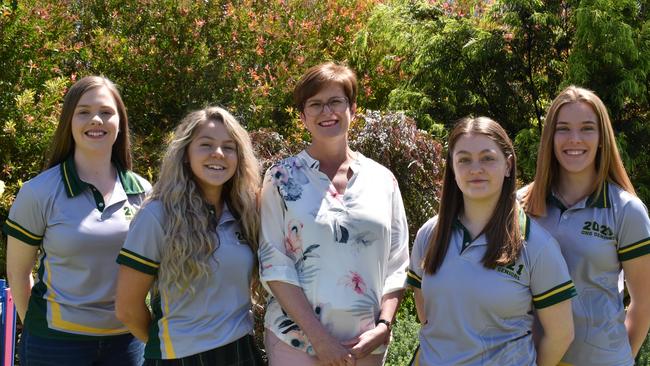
[481,269]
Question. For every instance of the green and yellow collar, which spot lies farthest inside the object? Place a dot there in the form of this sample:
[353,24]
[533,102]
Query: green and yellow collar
[74,185]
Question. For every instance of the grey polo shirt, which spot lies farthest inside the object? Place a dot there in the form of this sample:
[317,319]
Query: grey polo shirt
[79,236]
[596,235]
[219,311]
[481,316]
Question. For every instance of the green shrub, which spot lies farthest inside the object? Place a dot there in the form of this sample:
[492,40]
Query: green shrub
[405,334]
[25,139]
[526,145]
[414,157]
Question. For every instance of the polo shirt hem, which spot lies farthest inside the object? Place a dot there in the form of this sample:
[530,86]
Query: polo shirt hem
[37,323]
[183,354]
[14,229]
[58,334]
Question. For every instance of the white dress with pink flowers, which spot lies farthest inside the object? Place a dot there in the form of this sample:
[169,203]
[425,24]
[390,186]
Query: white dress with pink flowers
[344,250]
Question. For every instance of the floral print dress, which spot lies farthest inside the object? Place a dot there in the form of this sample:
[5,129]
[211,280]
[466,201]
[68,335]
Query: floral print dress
[344,250]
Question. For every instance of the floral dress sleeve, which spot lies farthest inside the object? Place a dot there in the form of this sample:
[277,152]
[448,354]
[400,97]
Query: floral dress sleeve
[275,264]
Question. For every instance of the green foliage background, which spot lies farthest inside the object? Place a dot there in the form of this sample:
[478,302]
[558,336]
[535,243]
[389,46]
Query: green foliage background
[436,60]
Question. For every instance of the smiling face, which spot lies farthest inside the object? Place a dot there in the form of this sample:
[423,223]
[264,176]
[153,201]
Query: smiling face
[333,122]
[95,122]
[479,167]
[576,139]
[212,156]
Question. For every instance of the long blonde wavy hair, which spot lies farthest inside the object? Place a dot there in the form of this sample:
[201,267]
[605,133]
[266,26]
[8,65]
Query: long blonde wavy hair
[189,235]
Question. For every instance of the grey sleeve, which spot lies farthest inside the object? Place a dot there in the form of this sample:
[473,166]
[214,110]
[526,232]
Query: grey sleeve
[26,221]
[415,270]
[550,282]
[142,248]
[634,231]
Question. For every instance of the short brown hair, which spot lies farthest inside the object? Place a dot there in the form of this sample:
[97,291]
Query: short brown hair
[313,80]
[63,144]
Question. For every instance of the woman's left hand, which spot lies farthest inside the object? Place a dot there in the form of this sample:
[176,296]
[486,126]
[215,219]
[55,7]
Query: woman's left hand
[368,341]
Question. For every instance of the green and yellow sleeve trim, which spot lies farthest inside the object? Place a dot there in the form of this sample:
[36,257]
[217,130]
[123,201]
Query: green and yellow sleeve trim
[137,262]
[555,295]
[641,247]
[413,279]
[12,228]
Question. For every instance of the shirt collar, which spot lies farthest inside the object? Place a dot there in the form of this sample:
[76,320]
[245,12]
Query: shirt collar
[226,215]
[467,237]
[524,226]
[74,185]
[600,199]
[597,199]
[308,160]
[315,164]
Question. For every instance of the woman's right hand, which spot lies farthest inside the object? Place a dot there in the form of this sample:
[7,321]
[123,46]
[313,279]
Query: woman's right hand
[331,353]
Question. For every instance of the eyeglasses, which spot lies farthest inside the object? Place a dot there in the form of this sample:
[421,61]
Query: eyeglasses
[336,105]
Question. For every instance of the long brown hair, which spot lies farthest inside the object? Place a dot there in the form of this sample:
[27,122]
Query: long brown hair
[63,144]
[609,165]
[503,234]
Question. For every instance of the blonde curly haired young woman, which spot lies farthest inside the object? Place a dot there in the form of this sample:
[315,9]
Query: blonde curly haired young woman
[193,245]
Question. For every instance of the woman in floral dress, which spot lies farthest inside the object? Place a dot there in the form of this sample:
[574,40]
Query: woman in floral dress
[333,240]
